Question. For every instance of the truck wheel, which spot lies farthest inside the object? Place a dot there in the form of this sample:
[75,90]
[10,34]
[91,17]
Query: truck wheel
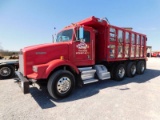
[140,67]
[6,71]
[119,72]
[61,84]
[131,69]
[112,71]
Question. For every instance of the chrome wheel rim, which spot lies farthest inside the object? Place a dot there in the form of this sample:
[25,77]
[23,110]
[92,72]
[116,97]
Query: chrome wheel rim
[5,71]
[63,85]
[142,67]
[133,69]
[121,72]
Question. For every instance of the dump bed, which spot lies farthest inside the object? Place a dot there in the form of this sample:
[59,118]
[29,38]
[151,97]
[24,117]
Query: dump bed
[116,43]
[124,44]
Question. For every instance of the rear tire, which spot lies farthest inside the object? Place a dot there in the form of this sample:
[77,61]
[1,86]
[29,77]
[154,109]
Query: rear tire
[6,71]
[119,72]
[131,69]
[61,84]
[140,67]
[112,71]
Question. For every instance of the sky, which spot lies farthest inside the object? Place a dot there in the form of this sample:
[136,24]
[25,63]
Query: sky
[30,22]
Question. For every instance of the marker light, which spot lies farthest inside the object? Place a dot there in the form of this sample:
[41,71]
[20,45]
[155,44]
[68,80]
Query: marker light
[62,57]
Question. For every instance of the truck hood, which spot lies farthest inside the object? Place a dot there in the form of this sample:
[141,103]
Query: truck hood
[34,47]
[42,54]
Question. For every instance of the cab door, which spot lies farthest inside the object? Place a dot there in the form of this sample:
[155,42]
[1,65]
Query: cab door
[84,50]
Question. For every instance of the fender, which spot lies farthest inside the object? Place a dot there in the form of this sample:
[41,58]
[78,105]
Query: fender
[56,63]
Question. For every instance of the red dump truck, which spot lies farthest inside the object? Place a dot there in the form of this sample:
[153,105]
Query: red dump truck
[84,52]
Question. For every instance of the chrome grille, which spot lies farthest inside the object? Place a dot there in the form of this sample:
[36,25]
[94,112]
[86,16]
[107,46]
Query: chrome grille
[21,63]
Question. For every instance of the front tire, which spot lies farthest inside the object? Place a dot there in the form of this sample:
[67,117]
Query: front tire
[6,71]
[61,84]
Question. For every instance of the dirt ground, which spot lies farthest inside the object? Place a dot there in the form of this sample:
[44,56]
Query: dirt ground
[135,98]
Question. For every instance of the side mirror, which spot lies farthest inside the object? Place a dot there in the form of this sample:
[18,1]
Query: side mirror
[81,33]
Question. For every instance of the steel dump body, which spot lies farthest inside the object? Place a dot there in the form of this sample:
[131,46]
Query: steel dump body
[115,43]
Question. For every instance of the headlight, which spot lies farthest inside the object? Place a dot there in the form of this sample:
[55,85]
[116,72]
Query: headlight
[35,68]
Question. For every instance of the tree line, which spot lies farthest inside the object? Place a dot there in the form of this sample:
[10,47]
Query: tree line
[8,54]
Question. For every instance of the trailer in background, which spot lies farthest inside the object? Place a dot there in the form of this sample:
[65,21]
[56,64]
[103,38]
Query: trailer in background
[8,68]
[155,54]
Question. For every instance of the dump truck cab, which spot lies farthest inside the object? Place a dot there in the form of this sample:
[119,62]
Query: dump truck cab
[81,44]
[36,62]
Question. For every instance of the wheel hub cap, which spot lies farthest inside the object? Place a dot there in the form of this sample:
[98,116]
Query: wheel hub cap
[5,71]
[63,85]
[133,69]
[142,67]
[121,72]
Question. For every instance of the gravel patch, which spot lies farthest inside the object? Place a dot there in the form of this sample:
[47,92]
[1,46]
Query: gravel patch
[135,98]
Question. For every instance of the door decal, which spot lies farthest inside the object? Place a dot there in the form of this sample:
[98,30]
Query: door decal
[82,48]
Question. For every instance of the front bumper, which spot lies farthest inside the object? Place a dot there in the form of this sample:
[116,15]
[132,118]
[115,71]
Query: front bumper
[23,82]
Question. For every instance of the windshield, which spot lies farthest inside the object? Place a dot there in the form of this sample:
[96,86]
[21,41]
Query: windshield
[64,36]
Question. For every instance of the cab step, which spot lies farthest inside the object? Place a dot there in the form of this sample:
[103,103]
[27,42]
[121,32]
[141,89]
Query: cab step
[87,73]
[90,81]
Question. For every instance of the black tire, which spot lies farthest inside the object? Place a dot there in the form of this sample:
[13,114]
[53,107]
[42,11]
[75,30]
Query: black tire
[131,69]
[6,71]
[58,79]
[112,71]
[119,72]
[141,67]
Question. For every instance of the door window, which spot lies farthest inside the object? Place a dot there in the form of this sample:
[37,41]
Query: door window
[86,36]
